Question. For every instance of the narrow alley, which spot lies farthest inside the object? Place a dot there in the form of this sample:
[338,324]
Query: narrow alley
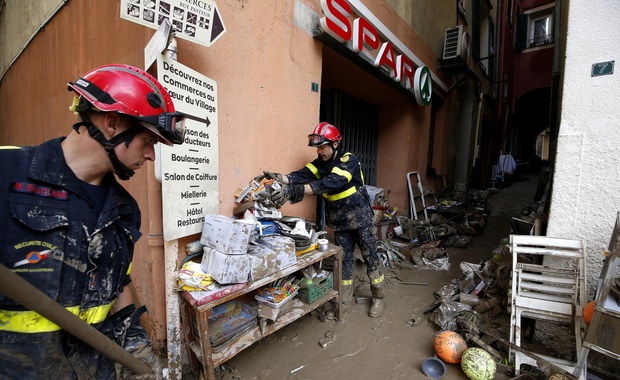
[393,346]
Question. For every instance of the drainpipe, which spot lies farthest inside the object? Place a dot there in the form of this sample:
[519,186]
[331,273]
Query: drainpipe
[478,122]
[171,256]
[555,85]
[169,251]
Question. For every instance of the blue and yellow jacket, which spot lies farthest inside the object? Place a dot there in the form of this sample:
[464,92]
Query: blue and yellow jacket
[53,237]
[340,182]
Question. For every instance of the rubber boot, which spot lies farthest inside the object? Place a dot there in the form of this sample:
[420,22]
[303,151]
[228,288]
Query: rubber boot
[346,298]
[378,300]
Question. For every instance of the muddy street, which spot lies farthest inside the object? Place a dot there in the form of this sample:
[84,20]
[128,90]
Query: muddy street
[392,346]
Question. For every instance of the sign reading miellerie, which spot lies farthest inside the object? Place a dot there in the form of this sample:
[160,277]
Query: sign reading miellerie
[361,35]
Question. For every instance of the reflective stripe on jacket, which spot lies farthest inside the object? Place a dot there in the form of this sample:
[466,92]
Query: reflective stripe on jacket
[341,183]
[29,322]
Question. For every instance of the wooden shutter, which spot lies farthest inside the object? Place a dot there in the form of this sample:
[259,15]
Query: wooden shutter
[521,32]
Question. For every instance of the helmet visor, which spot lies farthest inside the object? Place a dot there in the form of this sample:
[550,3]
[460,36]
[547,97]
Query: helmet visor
[169,126]
[317,140]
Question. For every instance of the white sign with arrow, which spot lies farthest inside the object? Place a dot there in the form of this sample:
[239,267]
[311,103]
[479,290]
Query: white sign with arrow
[189,172]
[196,21]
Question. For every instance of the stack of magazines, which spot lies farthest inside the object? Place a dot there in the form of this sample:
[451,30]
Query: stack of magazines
[228,322]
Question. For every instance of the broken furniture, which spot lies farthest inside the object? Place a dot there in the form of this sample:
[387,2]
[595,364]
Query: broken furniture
[603,334]
[196,313]
[551,287]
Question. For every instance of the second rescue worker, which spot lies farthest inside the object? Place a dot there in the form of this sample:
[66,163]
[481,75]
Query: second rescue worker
[338,178]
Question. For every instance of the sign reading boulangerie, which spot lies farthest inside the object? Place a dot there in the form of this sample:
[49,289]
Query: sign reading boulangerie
[198,21]
[189,172]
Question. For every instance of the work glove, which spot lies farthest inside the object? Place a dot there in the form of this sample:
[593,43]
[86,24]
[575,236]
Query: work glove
[292,192]
[131,336]
[277,176]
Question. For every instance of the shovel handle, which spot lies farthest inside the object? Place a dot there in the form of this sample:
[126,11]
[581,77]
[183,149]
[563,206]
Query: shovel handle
[23,292]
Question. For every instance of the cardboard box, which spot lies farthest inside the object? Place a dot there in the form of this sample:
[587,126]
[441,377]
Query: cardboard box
[227,235]
[262,260]
[284,248]
[226,269]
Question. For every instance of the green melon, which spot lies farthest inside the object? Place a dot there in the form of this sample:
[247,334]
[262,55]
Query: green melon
[477,364]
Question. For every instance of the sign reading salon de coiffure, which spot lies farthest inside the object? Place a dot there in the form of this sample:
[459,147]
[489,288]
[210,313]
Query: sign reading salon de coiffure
[362,32]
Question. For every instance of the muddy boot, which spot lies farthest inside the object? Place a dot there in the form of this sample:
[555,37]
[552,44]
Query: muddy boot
[346,298]
[378,300]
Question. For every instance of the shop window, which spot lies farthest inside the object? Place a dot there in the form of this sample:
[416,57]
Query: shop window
[535,28]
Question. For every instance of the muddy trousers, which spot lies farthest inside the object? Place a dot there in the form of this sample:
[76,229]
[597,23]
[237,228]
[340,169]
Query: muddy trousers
[365,238]
[50,355]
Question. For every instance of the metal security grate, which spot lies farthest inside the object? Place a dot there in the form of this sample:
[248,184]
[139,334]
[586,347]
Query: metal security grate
[358,123]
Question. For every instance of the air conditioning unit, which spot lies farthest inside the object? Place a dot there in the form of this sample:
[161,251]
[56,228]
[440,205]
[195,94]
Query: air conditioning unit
[456,43]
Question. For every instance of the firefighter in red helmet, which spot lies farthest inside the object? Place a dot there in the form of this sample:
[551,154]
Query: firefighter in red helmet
[71,227]
[337,176]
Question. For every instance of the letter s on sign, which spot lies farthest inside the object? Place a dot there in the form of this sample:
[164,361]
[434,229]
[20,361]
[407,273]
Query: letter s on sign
[335,22]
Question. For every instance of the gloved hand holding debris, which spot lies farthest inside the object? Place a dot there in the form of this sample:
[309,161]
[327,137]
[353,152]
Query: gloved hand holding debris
[277,176]
[131,336]
[293,193]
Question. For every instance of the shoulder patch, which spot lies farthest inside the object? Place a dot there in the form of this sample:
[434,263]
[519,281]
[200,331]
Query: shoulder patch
[344,158]
[41,191]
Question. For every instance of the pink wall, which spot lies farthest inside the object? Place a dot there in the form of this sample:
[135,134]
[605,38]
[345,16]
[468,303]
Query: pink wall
[264,66]
[533,68]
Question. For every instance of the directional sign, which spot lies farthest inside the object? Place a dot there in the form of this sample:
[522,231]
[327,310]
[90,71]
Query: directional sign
[192,20]
[190,171]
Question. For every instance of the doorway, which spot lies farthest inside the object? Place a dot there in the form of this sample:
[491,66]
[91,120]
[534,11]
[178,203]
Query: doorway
[358,122]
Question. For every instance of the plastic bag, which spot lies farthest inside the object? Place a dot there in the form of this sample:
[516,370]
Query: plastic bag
[444,314]
[191,278]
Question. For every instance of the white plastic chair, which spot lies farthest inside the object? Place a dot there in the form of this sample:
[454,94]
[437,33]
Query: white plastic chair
[554,290]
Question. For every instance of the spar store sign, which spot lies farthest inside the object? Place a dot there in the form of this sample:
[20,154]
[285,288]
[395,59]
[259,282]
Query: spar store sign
[360,35]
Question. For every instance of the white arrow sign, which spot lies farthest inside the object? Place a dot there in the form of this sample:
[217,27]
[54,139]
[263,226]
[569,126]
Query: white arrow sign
[196,21]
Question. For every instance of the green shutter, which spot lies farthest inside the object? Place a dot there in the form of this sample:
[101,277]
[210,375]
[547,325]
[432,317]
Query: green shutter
[521,33]
[475,28]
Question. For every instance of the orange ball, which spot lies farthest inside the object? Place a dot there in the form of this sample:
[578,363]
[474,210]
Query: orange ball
[588,310]
[450,346]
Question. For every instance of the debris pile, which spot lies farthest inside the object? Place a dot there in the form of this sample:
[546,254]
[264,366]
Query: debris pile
[453,221]
[450,223]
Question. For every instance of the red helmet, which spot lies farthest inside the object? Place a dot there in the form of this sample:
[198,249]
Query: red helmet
[324,133]
[128,90]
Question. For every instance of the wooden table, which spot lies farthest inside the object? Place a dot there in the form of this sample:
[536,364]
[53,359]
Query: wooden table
[196,313]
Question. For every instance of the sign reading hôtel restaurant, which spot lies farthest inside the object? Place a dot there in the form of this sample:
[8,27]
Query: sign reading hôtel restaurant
[361,32]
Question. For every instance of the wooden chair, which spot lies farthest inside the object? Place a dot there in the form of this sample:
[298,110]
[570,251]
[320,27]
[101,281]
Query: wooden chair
[548,283]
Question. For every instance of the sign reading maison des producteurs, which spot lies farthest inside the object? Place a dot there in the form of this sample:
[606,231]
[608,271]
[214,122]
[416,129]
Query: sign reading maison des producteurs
[189,172]
[198,21]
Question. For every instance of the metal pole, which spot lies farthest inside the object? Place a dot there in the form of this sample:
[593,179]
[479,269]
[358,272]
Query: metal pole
[171,262]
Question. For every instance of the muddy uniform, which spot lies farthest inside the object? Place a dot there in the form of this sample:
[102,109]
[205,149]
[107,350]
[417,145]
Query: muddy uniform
[348,208]
[73,241]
